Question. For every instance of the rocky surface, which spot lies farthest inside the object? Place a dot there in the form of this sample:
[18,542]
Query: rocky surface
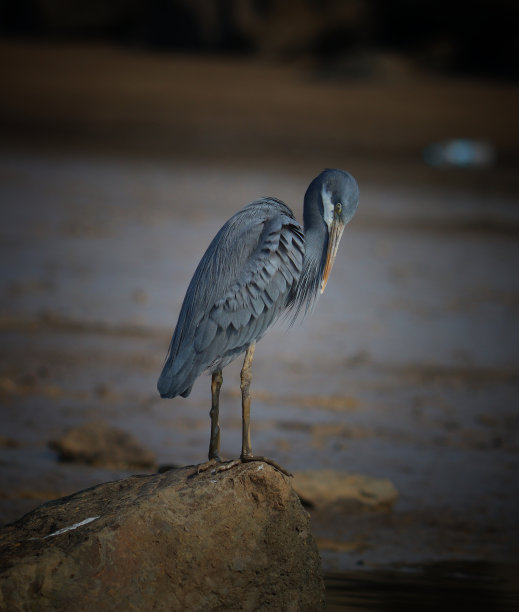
[97,443]
[234,540]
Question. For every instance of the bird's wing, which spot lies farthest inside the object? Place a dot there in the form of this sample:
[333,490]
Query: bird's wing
[260,294]
[241,286]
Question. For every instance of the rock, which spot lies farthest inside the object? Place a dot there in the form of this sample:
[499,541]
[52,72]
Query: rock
[8,442]
[321,488]
[99,444]
[234,540]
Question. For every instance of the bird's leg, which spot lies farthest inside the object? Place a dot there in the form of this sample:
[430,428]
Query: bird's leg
[246,449]
[214,444]
[246,377]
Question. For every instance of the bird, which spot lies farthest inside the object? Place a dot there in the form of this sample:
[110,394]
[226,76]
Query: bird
[260,266]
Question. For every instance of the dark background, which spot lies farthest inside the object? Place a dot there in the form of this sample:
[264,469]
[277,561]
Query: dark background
[477,38]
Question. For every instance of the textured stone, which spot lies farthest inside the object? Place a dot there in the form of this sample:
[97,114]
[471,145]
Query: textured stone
[235,540]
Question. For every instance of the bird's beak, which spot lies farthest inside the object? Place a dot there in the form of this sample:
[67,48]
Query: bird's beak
[336,229]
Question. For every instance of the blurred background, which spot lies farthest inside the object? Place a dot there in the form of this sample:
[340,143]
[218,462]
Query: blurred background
[130,131]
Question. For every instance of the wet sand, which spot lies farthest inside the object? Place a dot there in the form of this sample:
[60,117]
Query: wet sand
[117,169]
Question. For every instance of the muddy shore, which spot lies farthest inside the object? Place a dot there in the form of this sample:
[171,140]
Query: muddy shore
[116,170]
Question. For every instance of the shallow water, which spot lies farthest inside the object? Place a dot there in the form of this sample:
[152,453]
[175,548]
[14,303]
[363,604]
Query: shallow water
[407,370]
[454,585]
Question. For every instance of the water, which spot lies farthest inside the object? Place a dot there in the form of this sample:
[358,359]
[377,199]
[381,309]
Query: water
[449,585]
[406,371]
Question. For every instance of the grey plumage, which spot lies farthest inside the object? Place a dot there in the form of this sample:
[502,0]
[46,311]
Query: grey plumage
[260,265]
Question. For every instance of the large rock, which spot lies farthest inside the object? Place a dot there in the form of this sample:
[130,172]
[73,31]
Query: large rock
[234,540]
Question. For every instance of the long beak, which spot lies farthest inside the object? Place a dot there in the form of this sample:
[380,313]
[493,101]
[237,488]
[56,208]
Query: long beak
[336,229]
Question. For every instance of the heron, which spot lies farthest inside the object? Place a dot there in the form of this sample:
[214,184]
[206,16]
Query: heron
[260,265]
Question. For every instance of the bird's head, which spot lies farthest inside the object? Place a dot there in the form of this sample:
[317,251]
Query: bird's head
[339,197]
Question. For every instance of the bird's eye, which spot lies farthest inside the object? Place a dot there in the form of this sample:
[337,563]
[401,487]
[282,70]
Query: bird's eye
[338,208]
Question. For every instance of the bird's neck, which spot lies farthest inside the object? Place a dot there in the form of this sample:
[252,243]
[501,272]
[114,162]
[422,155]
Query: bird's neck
[316,236]
[316,245]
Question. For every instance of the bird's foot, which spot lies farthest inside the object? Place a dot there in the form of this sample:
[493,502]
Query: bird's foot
[203,467]
[276,466]
[216,465]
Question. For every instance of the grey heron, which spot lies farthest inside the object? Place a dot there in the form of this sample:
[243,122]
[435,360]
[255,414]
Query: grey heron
[260,264]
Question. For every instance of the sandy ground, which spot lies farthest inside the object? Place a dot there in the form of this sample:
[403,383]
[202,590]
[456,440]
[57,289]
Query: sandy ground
[116,170]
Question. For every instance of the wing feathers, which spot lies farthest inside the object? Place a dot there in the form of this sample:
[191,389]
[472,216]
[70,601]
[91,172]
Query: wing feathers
[205,334]
[262,247]
[251,305]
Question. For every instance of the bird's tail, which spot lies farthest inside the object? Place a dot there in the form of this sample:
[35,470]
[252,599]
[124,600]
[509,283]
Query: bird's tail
[176,378]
